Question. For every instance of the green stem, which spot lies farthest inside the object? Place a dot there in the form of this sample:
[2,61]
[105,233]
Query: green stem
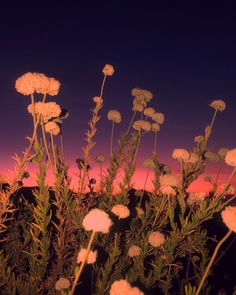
[131,122]
[212,260]
[112,135]
[45,141]
[83,263]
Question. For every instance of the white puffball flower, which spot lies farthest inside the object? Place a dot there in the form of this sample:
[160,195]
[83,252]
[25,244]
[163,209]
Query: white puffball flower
[121,211]
[229,217]
[52,128]
[149,112]
[169,180]
[114,115]
[92,256]
[218,105]
[230,158]
[156,239]
[108,70]
[134,251]
[158,118]
[97,220]
[62,283]
[181,154]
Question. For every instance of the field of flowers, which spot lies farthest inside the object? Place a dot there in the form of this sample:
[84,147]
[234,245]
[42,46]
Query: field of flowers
[95,240]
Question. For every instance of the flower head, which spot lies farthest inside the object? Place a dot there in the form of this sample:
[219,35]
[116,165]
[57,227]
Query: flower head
[108,70]
[92,256]
[52,128]
[98,99]
[218,105]
[149,112]
[123,287]
[230,158]
[167,190]
[149,163]
[169,180]
[53,87]
[138,92]
[134,251]
[229,217]
[62,283]
[26,84]
[137,107]
[97,220]
[142,124]
[181,154]
[100,159]
[47,110]
[158,118]
[155,127]
[114,115]
[121,211]
[156,239]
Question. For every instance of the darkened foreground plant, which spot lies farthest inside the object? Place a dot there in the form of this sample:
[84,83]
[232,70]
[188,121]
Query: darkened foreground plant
[90,240]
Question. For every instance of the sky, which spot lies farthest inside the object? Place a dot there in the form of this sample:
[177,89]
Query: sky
[182,51]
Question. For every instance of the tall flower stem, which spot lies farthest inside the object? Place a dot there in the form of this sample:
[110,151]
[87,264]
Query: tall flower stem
[131,122]
[62,146]
[213,119]
[54,153]
[145,182]
[103,84]
[112,135]
[83,263]
[45,141]
[155,143]
[211,261]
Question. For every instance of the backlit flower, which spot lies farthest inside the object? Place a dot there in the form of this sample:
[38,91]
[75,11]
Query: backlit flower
[169,180]
[98,99]
[47,110]
[54,87]
[92,256]
[62,283]
[196,198]
[167,190]
[121,211]
[134,251]
[230,158]
[229,217]
[149,163]
[97,220]
[218,105]
[52,128]
[108,70]
[181,154]
[149,112]
[155,127]
[114,115]
[123,287]
[26,84]
[156,239]
[137,108]
[158,118]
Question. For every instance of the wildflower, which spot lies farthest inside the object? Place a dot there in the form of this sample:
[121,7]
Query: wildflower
[98,99]
[137,107]
[147,94]
[114,115]
[156,239]
[146,126]
[181,154]
[137,125]
[218,105]
[158,118]
[52,128]
[134,251]
[149,163]
[230,158]
[123,287]
[138,92]
[149,112]
[229,217]
[228,188]
[167,190]
[222,152]
[53,87]
[169,180]
[92,256]
[121,211]
[47,110]
[26,84]
[199,139]
[97,220]
[62,283]
[155,127]
[192,159]
[100,159]
[139,211]
[108,70]
[212,157]
[196,198]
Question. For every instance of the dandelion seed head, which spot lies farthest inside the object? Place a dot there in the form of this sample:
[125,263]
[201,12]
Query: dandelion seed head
[149,112]
[158,118]
[114,115]
[155,127]
[169,180]
[52,128]
[181,154]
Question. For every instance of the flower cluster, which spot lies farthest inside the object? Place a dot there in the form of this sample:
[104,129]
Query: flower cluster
[142,125]
[62,283]
[134,251]
[47,110]
[31,83]
[123,287]
[156,239]
[114,115]
[230,158]
[218,105]
[121,211]
[97,220]
[181,154]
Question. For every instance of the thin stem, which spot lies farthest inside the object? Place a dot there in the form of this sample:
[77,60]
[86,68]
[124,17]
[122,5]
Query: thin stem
[102,87]
[54,153]
[45,141]
[83,263]
[131,122]
[112,135]
[33,108]
[212,260]
[213,119]
[44,96]
[62,146]
[145,182]
[155,143]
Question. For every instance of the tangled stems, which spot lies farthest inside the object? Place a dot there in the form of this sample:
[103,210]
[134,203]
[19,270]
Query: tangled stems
[83,263]
[212,260]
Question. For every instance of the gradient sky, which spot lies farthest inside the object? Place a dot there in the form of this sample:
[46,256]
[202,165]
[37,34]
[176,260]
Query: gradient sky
[182,51]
